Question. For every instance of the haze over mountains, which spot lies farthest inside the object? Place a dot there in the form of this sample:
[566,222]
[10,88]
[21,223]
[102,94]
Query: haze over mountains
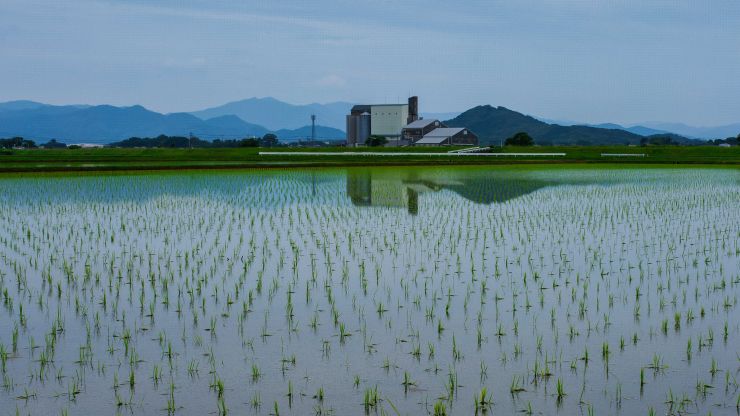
[711,132]
[649,128]
[103,124]
[258,116]
[276,114]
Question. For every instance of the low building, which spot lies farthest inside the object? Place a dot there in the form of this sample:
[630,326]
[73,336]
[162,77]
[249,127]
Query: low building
[448,136]
[415,130]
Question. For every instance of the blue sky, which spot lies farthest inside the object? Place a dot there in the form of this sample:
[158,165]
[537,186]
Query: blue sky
[591,61]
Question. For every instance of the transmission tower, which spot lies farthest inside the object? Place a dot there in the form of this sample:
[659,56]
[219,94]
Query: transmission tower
[313,127]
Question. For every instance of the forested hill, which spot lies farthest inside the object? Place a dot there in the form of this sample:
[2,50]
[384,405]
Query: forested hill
[495,124]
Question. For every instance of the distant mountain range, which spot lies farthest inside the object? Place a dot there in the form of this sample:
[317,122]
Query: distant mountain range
[649,128]
[715,132]
[495,124]
[104,124]
[257,116]
[638,130]
[275,114]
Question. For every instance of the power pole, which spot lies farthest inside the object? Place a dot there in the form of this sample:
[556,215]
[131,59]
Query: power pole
[190,140]
[313,127]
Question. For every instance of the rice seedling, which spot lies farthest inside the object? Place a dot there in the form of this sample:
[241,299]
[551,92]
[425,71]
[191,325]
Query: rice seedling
[171,406]
[222,409]
[407,381]
[256,373]
[560,389]
[483,401]
[256,401]
[516,385]
[370,398]
[319,394]
[439,409]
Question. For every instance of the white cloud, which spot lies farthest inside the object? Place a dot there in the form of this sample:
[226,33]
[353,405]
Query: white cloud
[332,80]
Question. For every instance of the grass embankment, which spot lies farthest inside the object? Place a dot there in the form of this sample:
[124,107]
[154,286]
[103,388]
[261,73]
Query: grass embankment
[107,159]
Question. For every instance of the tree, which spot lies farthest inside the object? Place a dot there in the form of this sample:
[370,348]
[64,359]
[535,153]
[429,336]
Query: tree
[17,142]
[251,142]
[269,140]
[376,141]
[520,139]
[658,140]
[54,144]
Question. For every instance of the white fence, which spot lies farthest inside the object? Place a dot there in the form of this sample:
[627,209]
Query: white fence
[471,150]
[407,154]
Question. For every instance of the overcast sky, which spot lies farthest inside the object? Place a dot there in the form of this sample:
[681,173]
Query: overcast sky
[588,61]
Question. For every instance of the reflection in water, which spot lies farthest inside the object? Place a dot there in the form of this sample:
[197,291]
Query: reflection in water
[383,190]
[401,189]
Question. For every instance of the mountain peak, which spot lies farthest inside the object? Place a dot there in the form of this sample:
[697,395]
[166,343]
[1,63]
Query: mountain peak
[20,105]
[275,114]
[495,124]
[227,117]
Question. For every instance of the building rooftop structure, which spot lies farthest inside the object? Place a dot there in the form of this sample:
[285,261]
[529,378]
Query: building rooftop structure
[365,108]
[432,140]
[440,135]
[361,108]
[420,124]
[445,131]
[448,136]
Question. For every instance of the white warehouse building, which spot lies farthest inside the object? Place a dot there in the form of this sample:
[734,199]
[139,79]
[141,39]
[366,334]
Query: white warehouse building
[388,120]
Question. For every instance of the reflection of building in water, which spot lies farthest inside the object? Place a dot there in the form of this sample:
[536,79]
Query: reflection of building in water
[366,190]
[402,189]
[358,188]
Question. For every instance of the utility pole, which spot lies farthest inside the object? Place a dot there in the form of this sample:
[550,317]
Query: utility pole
[190,140]
[313,127]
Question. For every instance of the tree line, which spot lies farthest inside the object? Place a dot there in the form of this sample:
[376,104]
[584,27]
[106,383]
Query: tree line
[17,142]
[183,142]
[524,139]
[733,141]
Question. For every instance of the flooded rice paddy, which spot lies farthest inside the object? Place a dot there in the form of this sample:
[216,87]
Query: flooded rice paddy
[372,291]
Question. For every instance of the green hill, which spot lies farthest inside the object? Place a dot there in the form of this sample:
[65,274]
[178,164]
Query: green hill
[495,124]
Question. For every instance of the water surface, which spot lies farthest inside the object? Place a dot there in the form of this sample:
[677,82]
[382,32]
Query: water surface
[309,290]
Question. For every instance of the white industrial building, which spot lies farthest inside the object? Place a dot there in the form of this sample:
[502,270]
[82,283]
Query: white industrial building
[388,120]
